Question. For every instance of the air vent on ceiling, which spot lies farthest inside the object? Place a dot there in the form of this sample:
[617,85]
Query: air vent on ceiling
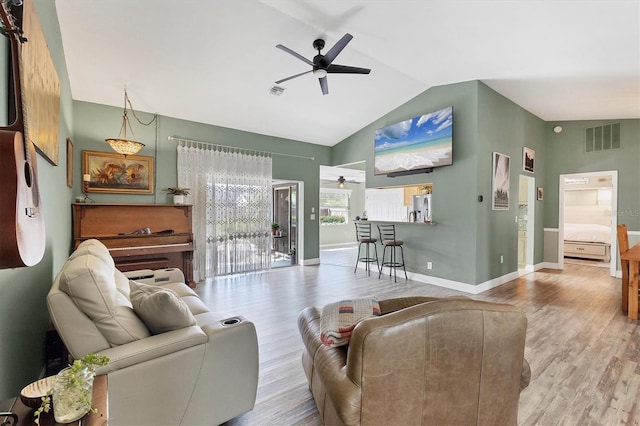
[276,90]
[602,138]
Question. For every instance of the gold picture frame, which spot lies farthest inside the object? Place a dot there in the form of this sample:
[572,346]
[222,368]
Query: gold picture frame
[116,173]
[69,163]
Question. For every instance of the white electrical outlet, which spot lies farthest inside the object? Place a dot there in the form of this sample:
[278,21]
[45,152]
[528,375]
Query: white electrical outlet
[312,216]
[429,265]
[501,259]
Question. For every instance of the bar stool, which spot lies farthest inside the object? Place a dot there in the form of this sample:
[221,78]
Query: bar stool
[388,240]
[363,235]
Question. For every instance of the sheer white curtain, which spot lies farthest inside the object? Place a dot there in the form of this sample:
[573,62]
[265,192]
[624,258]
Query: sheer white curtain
[232,208]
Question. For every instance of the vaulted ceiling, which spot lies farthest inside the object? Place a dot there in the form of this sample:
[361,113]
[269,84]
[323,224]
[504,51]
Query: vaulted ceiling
[216,61]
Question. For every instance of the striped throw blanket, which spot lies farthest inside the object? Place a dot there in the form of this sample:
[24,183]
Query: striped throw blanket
[338,319]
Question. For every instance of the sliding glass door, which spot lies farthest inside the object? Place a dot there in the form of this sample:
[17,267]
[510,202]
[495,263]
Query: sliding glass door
[285,215]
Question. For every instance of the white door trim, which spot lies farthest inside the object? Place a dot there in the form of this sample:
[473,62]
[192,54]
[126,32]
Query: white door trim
[614,216]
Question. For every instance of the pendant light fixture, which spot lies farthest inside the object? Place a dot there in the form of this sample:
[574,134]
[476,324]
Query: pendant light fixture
[121,144]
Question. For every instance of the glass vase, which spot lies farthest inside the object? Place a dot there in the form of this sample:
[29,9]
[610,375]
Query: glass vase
[72,395]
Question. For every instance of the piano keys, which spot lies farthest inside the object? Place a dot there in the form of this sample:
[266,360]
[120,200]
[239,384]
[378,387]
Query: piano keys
[139,236]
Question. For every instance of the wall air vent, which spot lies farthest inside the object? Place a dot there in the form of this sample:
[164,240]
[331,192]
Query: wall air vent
[602,138]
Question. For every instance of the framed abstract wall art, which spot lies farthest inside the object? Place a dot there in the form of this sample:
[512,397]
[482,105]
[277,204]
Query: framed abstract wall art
[528,159]
[500,182]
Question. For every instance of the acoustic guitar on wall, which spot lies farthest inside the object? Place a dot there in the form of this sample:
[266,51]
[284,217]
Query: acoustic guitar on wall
[22,232]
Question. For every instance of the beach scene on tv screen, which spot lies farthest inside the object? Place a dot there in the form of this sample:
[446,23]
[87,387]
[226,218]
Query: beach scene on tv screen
[418,143]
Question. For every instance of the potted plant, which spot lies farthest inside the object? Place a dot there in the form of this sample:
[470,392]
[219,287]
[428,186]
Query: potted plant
[72,390]
[178,194]
[274,228]
[292,255]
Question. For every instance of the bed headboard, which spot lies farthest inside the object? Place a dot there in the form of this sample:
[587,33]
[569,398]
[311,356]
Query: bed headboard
[600,215]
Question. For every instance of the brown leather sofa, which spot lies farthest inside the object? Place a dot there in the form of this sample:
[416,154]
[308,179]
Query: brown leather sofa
[424,361]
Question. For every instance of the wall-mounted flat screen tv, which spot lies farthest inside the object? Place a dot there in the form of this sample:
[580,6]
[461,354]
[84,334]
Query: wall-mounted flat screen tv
[415,145]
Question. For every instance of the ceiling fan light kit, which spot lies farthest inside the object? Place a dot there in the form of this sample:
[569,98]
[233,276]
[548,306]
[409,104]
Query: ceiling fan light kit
[323,64]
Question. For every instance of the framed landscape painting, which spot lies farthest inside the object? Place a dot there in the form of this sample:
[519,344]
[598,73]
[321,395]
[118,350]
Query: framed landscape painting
[115,173]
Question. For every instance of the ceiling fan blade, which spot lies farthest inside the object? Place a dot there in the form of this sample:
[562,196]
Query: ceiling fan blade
[337,48]
[297,55]
[324,85]
[344,69]
[293,76]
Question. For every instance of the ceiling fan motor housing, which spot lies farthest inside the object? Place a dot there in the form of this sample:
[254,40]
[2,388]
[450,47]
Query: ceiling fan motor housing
[321,64]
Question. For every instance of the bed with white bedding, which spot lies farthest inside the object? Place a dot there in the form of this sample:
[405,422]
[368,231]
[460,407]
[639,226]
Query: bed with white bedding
[587,232]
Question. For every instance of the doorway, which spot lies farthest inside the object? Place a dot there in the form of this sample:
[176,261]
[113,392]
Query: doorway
[284,249]
[526,223]
[587,205]
[342,199]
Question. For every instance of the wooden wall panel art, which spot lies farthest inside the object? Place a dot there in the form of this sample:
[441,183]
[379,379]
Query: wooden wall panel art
[41,88]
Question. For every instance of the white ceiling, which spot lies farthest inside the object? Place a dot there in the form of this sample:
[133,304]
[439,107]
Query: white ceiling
[215,61]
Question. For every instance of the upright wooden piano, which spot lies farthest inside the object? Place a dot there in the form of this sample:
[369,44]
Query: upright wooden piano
[139,236]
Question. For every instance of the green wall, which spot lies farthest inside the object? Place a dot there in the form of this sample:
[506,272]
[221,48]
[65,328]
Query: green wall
[96,122]
[566,154]
[23,314]
[505,127]
[466,243]
[446,244]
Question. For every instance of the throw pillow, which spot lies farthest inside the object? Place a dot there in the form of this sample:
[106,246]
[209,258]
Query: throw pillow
[159,308]
[338,319]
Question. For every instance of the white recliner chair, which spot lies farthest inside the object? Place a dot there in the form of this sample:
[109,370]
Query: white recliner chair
[173,362]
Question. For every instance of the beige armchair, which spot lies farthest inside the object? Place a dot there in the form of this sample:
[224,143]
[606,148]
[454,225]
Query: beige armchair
[181,365]
[423,361]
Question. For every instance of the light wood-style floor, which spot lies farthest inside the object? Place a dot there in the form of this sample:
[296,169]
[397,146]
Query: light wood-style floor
[583,351]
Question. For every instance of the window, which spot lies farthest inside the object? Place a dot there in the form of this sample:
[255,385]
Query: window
[334,206]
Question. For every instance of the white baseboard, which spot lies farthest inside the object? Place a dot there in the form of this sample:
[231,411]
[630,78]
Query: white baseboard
[470,288]
[459,286]
[309,262]
[548,265]
[338,245]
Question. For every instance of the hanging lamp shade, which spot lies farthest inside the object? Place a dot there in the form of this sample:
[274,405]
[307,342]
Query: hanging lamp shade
[125,146]
[121,144]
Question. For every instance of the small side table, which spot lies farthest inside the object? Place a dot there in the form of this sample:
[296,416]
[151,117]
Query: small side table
[99,418]
[280,240]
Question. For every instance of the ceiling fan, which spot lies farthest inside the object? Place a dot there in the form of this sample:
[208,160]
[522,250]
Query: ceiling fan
[342,181]
[323,64]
